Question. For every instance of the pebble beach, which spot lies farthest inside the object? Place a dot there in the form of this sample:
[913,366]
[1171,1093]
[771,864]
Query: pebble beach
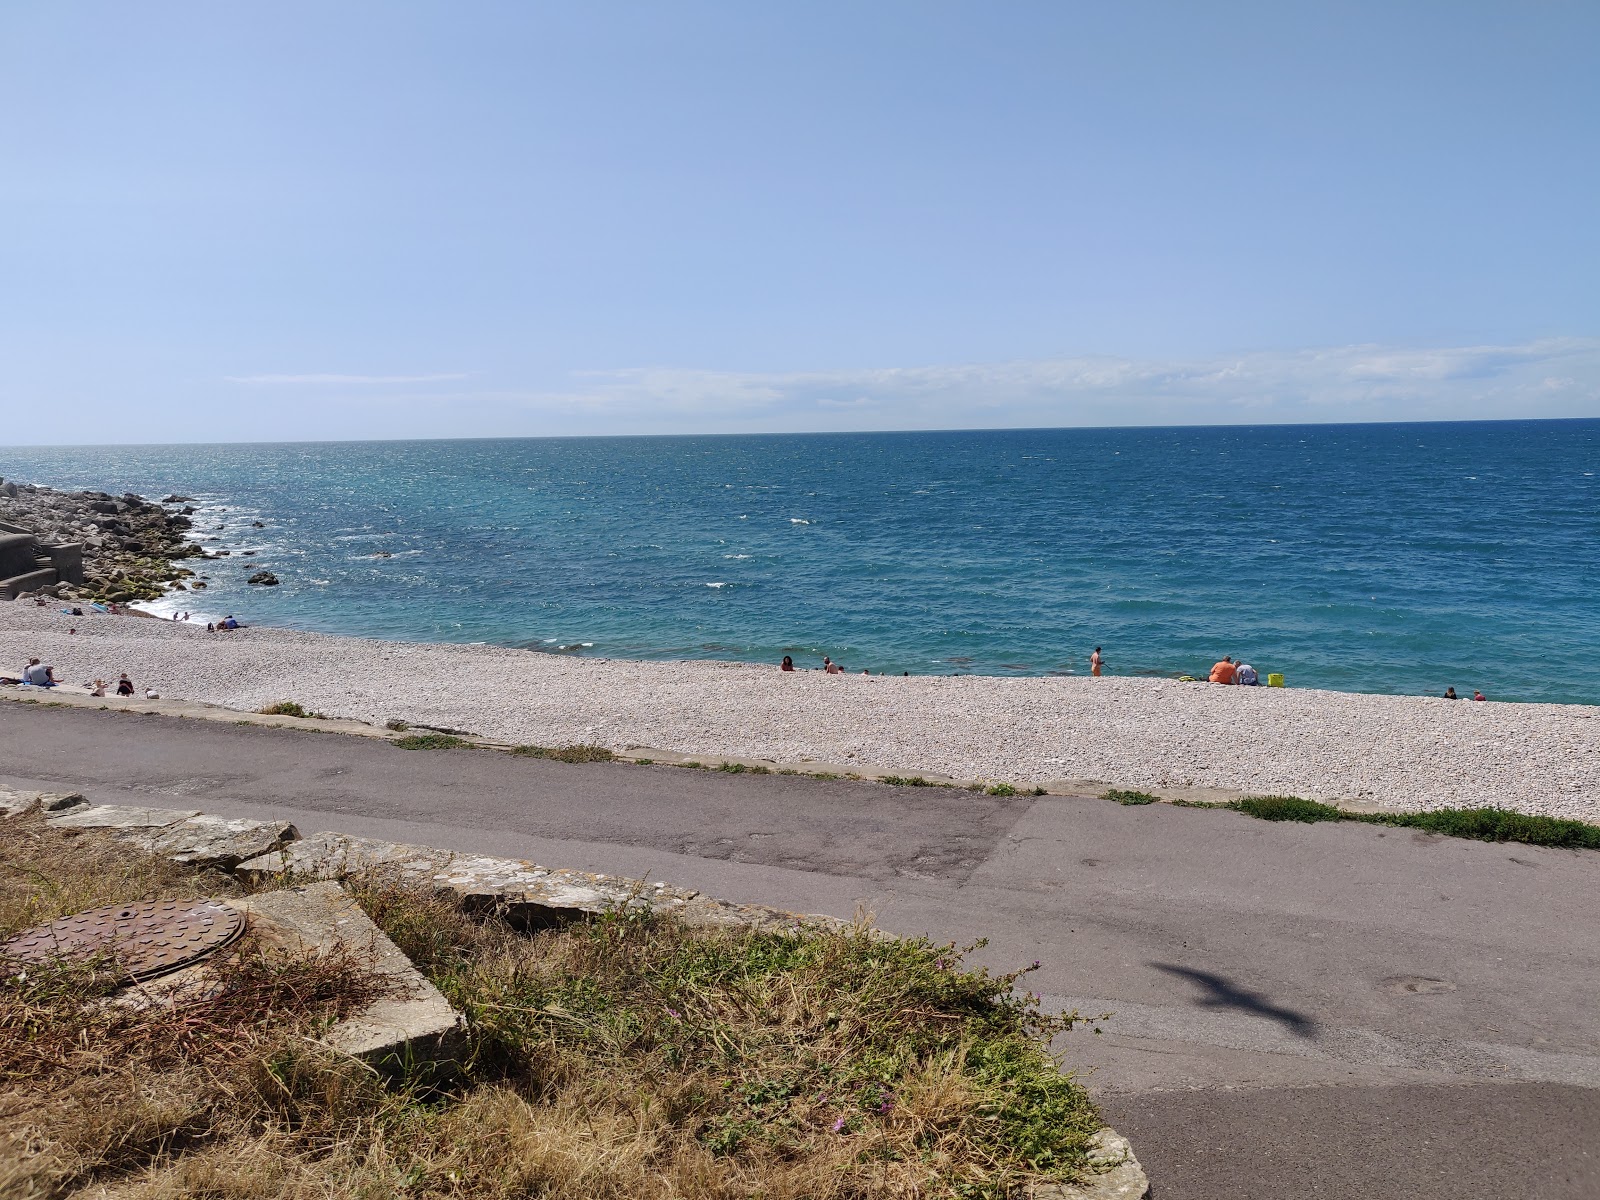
[1389,751]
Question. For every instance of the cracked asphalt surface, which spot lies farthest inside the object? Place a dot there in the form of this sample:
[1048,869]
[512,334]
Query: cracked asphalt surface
[1296,1011]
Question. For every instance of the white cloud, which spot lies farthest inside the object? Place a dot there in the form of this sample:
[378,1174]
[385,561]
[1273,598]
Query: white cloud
[1347,383]
[345,379]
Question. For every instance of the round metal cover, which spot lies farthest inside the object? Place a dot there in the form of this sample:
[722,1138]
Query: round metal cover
[144,940]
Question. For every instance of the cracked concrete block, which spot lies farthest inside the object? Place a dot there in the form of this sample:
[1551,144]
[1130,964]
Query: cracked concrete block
[206,841]
[1119,1177]
[412,1022]
[120,816]
[13,802]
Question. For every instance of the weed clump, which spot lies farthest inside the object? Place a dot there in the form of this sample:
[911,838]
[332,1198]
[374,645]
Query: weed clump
[586,752]
[1286,808]
[430,741]
[289,708]
[905,781]
[1495,825]
[1001,789]
[1126,797]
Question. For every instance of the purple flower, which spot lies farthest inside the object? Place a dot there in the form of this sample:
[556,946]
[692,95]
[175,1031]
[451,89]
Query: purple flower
[1036,964]
[838,1126]
[674,1014]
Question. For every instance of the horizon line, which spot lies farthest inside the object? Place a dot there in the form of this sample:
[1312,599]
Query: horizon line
[556,437]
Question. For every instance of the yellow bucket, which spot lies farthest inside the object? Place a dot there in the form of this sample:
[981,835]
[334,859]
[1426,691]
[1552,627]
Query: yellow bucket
[1274,680]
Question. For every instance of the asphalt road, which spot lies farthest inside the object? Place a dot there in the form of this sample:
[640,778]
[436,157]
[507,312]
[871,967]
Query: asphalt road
[1296,1011]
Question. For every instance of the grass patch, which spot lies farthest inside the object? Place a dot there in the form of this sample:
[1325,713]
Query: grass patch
[430,741]
[1286,808]
[1125,797]
[397,726]
[730,768]
[1000,789]
[626,1057]
[1494,825]
[1479,824]
[905,781]
[632,1056]
[586,752]
[288,708]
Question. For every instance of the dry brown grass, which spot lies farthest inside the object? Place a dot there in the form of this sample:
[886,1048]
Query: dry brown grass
[623,1059]
[47,873]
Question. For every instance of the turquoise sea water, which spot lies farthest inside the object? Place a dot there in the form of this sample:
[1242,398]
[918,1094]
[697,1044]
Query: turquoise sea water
[1382,558]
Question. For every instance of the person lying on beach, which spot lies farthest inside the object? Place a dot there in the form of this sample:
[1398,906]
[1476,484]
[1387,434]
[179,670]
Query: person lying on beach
[38,674]
[788,664]
[1247,676]
[151,694]
[1223,672]
[124,686]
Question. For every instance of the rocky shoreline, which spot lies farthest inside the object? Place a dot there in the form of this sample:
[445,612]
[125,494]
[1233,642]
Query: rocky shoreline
[132,548]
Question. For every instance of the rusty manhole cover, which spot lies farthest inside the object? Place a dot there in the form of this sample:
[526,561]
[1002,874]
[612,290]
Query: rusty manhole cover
[144,940]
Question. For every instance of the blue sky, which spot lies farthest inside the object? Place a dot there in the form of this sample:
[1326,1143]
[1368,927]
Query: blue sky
[228,222]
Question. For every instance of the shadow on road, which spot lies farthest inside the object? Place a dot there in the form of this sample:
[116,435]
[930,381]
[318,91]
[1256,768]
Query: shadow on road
[1224,993]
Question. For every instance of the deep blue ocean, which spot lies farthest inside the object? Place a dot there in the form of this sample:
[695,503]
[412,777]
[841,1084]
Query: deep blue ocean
[1381,558]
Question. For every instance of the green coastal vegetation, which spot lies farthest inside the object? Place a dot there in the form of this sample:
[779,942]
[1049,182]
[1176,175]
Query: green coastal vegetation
[1481,824]
[629,1056]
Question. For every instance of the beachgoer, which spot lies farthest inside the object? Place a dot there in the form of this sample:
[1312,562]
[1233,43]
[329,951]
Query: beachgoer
[831,667]
[1223,672]
[151,694]
[788,664]
[77,612]
[865,671]
[210,628]
[124,686]
[99,688]
[1479,696]
[39,675]
[74,629]
[230,623]
[1450,694]
[1094,663]
[1247,676]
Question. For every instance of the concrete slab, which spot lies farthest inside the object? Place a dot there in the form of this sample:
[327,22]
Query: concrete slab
[14,803]
[121,817]
[413,1022]
[526,894]
[207,841]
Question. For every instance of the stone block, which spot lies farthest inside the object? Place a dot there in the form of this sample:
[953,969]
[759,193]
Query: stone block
[411,1022]
[121,817]
[206,841]
[1118,1174]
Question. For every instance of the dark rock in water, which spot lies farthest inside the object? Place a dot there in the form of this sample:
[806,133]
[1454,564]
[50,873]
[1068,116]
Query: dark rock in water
[258,524]
[197,585]
[222,554]
[264,578]
[187,510]
[176,499]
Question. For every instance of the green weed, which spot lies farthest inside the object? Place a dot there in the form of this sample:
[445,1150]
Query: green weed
[1126,797]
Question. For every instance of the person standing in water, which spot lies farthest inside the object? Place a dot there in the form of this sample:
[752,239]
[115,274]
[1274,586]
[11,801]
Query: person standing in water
[1095,663]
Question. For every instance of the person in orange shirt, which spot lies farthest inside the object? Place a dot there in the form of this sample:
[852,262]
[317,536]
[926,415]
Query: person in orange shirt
[1224,670]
